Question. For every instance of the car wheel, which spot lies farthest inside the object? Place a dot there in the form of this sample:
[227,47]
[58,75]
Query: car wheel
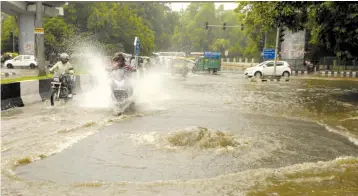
[9,66]
[258,74]
[32,66]
[286,74]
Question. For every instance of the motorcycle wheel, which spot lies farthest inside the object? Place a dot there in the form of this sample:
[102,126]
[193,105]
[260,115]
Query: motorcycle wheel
[53,96]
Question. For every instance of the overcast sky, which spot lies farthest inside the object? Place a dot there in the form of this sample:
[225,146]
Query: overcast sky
[227,6]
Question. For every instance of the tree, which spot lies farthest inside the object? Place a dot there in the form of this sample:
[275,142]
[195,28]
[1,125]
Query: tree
[9,28]
[114,25]
[333,24]
[190,34]
[57,31]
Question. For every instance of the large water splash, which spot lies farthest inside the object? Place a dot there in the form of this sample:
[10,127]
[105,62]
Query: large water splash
[150,89]
[89,56]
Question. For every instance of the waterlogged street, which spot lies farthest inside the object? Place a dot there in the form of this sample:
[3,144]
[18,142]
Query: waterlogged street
[200,135]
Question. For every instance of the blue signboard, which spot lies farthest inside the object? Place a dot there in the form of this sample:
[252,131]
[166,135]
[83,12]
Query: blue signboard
[137,47]
[269,53]
[212,55]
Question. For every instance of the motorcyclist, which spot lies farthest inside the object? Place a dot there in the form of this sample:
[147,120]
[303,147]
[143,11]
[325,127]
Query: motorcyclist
[118,62]
[120,69]
[63,66]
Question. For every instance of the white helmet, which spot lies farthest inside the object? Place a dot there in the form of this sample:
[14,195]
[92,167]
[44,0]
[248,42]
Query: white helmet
[64,57]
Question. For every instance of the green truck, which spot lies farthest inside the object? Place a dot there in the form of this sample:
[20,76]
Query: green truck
[211,62]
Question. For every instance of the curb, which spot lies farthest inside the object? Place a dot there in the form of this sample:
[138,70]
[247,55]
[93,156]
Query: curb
[6,74]
[352,74]
[298,72]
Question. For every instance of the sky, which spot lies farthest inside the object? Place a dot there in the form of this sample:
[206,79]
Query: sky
[227,6]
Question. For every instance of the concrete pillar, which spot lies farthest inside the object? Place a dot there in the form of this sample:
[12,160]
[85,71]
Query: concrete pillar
[240,60]
[246,60]
[26,34]
[253,60]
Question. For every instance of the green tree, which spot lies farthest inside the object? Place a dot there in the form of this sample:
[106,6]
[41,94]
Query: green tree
[114,25]
[190,34]
[333,24]
[57,31]
[8,27]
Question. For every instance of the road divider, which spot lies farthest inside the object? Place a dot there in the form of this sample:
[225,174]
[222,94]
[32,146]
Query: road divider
[22,93]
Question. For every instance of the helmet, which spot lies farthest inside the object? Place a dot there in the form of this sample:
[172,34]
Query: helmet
[64,57]
[118,57]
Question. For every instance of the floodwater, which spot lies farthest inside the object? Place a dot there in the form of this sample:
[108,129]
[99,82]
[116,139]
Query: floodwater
[200,135]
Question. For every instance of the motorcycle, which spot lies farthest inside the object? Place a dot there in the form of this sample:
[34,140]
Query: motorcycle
[121,91]
[60,87]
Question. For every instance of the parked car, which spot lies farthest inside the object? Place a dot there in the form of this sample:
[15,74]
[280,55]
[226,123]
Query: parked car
[22,61]
[266,68]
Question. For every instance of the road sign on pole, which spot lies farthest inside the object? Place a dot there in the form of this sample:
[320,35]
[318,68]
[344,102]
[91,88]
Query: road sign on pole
[269,53]
[135,41]
[39,31]
[137,48]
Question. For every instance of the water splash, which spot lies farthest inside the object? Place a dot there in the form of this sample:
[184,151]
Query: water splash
[89,56]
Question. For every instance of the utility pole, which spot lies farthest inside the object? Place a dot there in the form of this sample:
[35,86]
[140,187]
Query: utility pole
[265,46]
[276,50]
[40,41]
[13,41]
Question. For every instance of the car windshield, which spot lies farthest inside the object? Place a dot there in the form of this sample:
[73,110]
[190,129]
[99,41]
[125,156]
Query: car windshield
[261,64]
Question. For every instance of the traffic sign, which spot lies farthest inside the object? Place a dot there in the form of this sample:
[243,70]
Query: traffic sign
[39,31]
[269,53]
[135,41]
[137,47]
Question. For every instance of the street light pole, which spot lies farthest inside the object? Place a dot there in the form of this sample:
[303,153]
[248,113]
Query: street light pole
[40,41]
[276,50]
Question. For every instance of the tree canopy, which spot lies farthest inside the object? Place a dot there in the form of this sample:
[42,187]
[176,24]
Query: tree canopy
[332,24]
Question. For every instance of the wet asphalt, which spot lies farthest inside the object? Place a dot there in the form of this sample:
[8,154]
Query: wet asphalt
[256,114]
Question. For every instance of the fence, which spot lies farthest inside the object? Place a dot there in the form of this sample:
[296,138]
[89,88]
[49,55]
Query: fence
[239,60]
[336,64]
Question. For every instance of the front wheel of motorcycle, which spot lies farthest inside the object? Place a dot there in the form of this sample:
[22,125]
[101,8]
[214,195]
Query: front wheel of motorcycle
[53,96]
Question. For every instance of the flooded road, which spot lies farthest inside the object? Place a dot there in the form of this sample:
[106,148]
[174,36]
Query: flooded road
[203,135]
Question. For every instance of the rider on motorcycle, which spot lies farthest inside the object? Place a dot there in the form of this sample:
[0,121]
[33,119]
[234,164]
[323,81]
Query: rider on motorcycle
[63,66]
[120,69]
[118,62]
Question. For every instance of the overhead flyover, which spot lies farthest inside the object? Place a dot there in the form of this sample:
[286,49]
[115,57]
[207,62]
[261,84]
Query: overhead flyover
[26,17]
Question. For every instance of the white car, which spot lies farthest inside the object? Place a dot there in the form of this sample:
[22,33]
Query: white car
[22,61]
[266,68]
